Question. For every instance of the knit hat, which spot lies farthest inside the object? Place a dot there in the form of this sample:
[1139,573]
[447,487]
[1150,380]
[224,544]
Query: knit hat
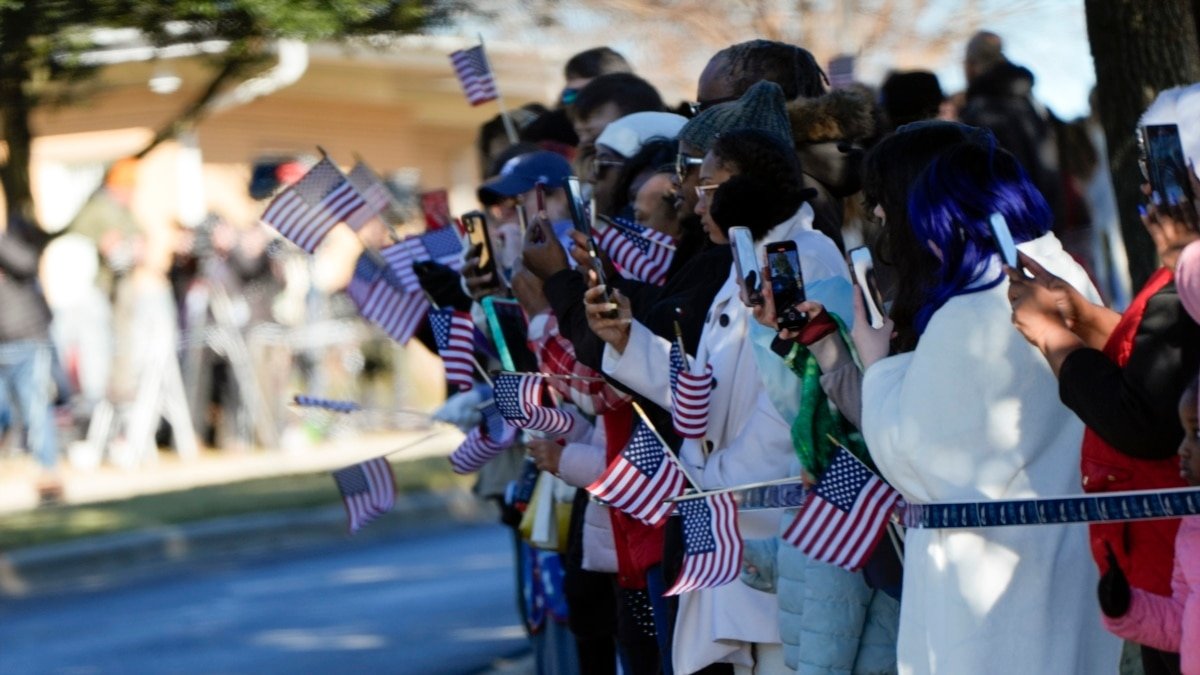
[627,135]
[762,107]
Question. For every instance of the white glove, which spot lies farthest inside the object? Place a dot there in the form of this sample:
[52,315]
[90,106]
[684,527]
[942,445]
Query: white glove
[461,410]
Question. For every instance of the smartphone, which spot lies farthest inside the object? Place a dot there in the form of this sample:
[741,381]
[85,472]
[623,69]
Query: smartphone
[787,283]
[1004,241]
[1166,167]
[510,332]
[746,261]
[863,266]
[475,226]
[575,201]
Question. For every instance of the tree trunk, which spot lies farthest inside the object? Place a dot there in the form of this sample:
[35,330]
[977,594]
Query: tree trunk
[15,108]
[1140,48]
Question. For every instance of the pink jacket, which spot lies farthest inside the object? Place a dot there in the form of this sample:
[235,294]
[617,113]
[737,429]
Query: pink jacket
[1170,624]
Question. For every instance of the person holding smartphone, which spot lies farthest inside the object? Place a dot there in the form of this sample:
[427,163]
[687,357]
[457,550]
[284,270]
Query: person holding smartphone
[747,439]
[972,413]
[1122,374]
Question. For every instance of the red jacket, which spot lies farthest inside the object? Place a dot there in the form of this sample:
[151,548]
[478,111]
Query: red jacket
[1145,550]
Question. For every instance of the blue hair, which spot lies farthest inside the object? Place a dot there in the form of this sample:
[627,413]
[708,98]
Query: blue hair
[950,205]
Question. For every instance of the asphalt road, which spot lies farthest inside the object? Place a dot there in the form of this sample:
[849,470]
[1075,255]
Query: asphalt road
[430,601]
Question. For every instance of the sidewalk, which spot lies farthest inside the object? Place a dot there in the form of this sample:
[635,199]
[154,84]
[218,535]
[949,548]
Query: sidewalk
[169,473]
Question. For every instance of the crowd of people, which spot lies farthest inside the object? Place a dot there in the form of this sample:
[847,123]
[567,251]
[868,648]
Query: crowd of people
[986,380]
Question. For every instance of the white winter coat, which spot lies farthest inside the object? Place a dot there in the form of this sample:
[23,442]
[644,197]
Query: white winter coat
[750,442]
[973,414]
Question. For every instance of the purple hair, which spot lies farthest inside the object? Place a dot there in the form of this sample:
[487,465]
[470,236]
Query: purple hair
[950,205]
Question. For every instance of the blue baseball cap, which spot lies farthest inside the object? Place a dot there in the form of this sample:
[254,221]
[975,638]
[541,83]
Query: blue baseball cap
[520,174]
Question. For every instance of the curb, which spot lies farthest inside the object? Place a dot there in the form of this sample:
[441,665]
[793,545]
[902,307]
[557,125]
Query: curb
[104,561]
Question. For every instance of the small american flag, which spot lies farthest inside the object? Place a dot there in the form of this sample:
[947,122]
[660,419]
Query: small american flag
[845,515]
[306,401]
[368,489]
[471,67]
[494,424]
[441,246]
[712,545]
[519,397]
[454,336]
[690,395]
[479,448]
[640,478]
[643,253]
[306,211]
[374,194]
[378,299]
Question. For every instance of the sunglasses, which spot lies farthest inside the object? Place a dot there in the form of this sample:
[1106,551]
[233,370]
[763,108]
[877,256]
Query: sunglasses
[684,164]
[601,166]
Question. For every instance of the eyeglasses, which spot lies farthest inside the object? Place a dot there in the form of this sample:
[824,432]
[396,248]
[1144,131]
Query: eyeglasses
[683,164]
[600,166]
[703,190]
[698,107]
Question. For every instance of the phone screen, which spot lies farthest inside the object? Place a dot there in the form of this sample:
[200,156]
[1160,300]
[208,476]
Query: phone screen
[746,260]
[787,282]
[1166,165]
[863,266]
[578,211]
[477,239]
[510,331]
[1004,240]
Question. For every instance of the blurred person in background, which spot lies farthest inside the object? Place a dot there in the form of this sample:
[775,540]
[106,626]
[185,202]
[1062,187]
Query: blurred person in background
[493,139]
[107,220]
[1000,98]
[607,99]
[911,96]
[586,66]
[25,348]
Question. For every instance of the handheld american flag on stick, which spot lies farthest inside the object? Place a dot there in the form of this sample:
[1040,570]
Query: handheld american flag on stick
[306,211]
[441,246]
[379,299]
[368,489]
[845,515]
[374,194]
[519,399]
[643,253]
[641,478]
[712,545]
[690,395]
[454,336]
[485,441]
[471,67]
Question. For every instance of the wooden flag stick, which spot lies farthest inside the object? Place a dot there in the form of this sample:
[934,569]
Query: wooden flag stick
[666,448]
[509,128]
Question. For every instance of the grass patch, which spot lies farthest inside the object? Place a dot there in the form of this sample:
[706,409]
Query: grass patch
[44,526]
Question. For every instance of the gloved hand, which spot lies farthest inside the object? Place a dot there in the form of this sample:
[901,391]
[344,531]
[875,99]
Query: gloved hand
[461,410]
[1113,590]
[443,285]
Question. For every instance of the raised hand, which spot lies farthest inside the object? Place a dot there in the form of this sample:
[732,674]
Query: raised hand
[614,331]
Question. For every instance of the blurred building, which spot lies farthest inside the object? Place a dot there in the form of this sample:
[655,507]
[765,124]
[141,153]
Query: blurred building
[399,107]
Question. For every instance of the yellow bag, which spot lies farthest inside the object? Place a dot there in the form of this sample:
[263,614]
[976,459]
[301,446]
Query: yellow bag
[547,518]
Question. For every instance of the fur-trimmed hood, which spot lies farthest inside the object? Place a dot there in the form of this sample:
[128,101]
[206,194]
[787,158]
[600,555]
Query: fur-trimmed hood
[840,115]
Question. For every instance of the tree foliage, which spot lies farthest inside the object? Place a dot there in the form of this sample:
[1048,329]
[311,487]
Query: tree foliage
[42,43]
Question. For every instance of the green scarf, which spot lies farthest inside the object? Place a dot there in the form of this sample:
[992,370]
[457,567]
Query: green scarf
[819,419]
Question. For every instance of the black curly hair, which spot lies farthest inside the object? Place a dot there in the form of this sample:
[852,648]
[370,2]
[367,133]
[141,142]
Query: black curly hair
[766,188]
[792,68]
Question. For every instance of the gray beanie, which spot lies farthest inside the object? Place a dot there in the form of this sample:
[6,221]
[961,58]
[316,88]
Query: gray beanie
[762,107]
